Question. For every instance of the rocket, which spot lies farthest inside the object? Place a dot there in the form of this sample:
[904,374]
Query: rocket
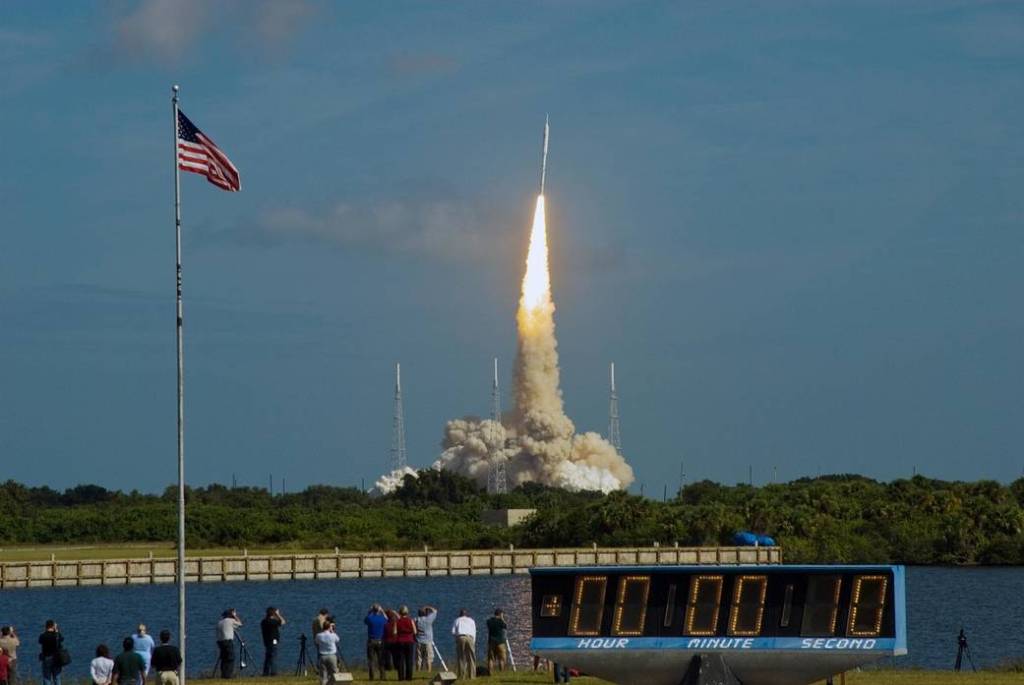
[544,155]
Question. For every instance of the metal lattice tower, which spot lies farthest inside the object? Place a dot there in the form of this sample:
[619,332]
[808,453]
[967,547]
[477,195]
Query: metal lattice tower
[398,456]
[614,437]
[497,482]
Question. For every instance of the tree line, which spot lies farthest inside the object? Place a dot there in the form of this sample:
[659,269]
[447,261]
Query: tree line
[830,519]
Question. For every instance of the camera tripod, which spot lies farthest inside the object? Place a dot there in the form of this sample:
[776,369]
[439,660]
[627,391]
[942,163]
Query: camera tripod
[962,650]
[305,660]
[243,656]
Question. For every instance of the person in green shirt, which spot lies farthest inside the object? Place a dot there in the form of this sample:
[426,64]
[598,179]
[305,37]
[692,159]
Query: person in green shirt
[129,666]
[497,637]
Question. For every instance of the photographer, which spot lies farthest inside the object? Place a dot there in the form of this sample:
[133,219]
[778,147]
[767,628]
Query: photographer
[226,642]
[497,642]
[375,622]
[270,627]
[50,645]
[327,649]
[425,638]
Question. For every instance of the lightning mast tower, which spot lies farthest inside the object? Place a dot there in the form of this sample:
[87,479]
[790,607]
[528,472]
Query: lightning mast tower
[497,482]
[613,415]
[398,457]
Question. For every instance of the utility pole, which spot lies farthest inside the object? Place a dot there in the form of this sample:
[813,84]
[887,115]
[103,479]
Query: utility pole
[398,455]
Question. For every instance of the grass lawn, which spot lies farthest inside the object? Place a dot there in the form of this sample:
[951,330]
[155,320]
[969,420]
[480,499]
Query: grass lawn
[863,678]
[133,551]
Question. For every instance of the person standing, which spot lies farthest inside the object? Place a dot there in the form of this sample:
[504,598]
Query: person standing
[320,622]
[101,669]
[143,645]
[464,630]
[9,641]
[5,664]
[166,660]
[129,667]
[270,627]
[375,622]
[50,644]
[327,651]
[425,638]
[497,635]
[226,642]
[405,639]
[391,647]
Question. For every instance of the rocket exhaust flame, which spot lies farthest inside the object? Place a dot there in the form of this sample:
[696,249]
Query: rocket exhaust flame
[536,293]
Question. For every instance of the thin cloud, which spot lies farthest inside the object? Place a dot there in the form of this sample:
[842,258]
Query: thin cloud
[167,31]
[442,229]
[422,64]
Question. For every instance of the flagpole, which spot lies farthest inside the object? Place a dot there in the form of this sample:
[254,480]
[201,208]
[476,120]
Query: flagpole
[181,395]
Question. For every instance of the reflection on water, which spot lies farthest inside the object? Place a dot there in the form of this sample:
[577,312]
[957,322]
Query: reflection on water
[987,603]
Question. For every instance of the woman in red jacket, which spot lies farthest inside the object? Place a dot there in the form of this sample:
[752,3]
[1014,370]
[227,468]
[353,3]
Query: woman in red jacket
[405,636]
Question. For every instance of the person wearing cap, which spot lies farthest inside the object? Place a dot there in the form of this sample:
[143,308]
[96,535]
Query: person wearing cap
[226,627]
[270,628]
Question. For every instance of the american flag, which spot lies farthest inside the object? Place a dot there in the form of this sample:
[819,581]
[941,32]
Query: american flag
[198,154]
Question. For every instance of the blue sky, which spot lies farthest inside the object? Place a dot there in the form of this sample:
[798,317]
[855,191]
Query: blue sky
[795,227]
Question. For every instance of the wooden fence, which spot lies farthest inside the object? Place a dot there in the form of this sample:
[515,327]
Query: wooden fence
[361,565]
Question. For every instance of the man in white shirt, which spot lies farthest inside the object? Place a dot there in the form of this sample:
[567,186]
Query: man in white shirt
[226,642]
[464,630]
[327,648]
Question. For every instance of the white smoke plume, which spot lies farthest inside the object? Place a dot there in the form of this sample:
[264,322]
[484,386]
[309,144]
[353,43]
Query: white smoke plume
[537,440]
[389,482]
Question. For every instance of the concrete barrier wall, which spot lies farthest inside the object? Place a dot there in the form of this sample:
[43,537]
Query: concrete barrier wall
[362,565]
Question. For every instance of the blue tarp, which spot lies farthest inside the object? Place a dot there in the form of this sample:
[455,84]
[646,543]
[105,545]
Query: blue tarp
[745,538]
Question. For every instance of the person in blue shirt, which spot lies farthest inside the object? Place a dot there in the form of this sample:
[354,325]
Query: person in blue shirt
[375,622]
[143,645]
